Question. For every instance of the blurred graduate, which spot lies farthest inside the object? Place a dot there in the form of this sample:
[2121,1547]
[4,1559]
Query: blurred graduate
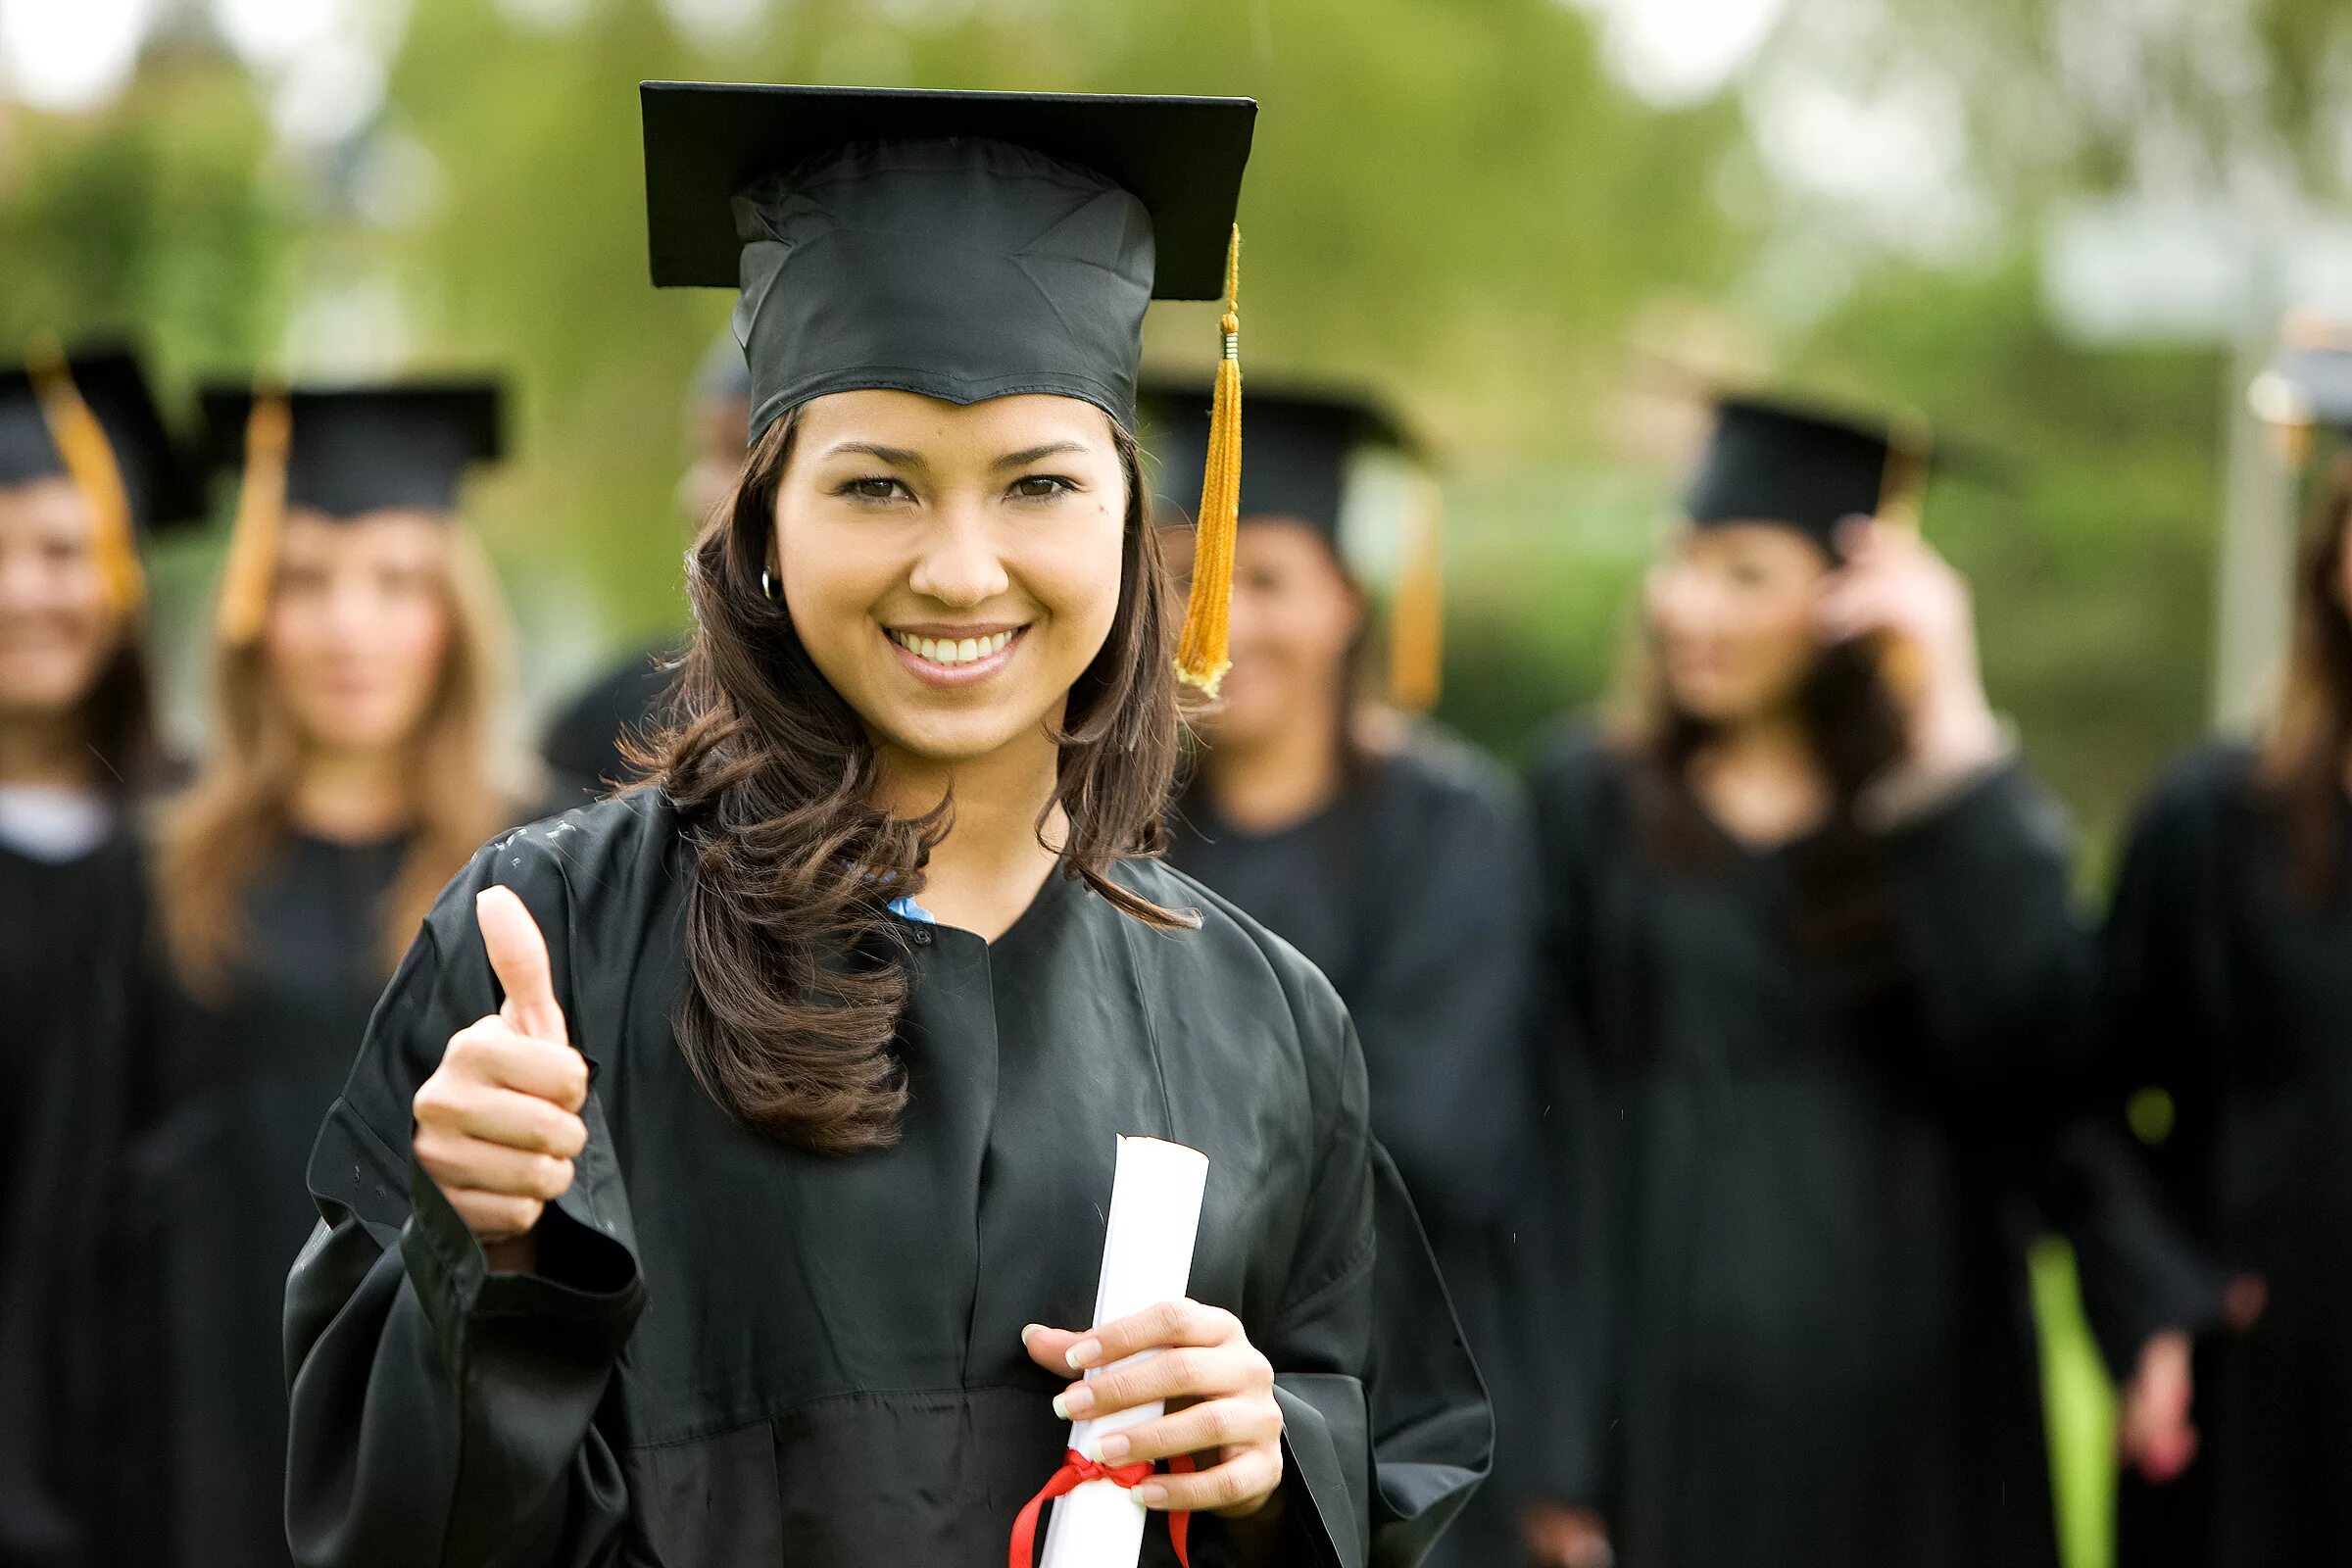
[87,466]
[2221,1290]
[1395,858]
[582,745]
[1811,942]
[724,1177]
[359,668]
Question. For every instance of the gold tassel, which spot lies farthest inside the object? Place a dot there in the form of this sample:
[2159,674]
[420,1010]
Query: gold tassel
[1201,649]
[1416,632]
[1902,500]
[89,458]
[245,579]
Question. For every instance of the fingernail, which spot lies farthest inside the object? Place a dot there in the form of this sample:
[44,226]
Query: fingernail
[1082,1354]
[1072,1404]
[1151,1495]
[1030,1331]
[1114,1448]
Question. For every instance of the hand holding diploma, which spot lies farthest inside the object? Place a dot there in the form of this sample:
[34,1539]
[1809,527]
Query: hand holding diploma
[1204,1360]
[498,1123]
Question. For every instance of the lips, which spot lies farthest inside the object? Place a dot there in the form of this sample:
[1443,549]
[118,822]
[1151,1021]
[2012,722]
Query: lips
[951,652]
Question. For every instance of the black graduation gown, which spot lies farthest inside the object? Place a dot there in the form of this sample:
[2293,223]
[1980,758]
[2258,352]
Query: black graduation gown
[2226,990]
[737,1351]
[69,961]
[217,1194]
[1415,894]
[582,745]
[1805,1234]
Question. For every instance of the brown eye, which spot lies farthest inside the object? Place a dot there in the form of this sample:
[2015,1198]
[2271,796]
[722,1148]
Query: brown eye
[875,487]
[1042,486]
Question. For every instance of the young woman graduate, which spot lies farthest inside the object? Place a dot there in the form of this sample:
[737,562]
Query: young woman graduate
[361,658]
[86,462]
[2229,986]
[1397,859]
[1812,942]
[763,1118]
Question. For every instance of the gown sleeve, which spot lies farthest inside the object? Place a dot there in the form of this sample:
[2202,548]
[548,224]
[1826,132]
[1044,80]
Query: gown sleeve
[1986,919]
[1385,1428]
[441,1414]
[1444,1006]
[2140,1270]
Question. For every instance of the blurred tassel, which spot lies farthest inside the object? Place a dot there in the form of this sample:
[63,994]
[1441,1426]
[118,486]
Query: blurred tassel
[1416,632]
[261,505]
[1201,648]
[89,459]
[1902,504]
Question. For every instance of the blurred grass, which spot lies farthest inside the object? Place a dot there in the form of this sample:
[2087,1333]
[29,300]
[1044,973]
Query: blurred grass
[2080,1404]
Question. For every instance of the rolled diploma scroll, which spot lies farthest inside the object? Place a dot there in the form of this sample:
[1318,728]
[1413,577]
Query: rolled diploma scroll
[1146,1259]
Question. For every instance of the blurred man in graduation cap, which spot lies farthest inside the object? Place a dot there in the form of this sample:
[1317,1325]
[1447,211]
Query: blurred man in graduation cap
[879,965]
[2221,1286]
[1394,855]
[582,747]
[1814,964]
[360,670]
[88,467]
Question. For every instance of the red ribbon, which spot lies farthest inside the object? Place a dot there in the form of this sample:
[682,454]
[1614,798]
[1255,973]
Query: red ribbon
[1075,1472]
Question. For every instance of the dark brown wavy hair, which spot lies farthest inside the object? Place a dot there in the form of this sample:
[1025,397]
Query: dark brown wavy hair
[797,976]
[2300,769]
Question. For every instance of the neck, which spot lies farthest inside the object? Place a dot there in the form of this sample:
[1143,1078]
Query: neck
[44,749]
[989,866]
[352,796]
[1277,780]
[1760,779]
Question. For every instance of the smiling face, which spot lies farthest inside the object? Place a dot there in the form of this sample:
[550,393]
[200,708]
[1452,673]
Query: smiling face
[952,570]
[358,626]
[1731,616]
[56,630]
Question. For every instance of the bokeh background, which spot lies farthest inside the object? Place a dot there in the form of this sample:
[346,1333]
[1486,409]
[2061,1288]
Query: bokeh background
[2064,228]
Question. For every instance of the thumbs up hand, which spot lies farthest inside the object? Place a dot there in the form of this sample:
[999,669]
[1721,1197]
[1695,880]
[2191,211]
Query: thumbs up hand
[497,1122]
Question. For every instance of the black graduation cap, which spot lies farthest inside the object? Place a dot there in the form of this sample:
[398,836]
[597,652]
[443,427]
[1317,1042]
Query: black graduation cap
[1808,468]
[158,481]
[961,245]
[353,450]
[1299,441]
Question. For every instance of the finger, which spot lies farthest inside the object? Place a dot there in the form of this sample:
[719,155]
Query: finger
[495,1216]
[455,1161]
[500,1117]
[496,1051]
[1250,1476]
[519,956]
[1177,1322]
[1195,1372]
[1210,1424]
[1051,1348]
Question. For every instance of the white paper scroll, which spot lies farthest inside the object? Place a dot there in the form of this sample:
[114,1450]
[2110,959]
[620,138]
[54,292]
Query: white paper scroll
[1146,1259]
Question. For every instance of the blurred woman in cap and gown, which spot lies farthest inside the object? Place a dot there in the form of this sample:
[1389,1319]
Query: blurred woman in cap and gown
[359,674]
[1811,943]
[88,465]
[724,1179]
[2220,1281]
[1395,857]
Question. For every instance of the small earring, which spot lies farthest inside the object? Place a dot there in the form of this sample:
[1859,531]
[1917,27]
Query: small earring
[768,588]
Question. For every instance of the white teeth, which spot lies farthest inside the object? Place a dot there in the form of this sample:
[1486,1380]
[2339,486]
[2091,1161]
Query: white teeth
[952,651]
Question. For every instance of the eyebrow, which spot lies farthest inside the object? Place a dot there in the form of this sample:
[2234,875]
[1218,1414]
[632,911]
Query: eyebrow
[1051,449]
[901,456]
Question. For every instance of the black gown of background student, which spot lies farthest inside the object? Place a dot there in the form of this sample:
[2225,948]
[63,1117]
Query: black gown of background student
[217,1192]
[2229,991]
[1805,1220]
[738,1351]
[1414,893]
[70,937]
[581,747]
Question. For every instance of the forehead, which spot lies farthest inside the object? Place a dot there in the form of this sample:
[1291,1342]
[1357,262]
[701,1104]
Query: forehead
[910,421]
[46,506]
[395,532]
[1750,542]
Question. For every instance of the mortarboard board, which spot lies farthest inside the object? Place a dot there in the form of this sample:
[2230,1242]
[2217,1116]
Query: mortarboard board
[959,245]
[1302,443]
[343,452]
[90,417]
[1808,469]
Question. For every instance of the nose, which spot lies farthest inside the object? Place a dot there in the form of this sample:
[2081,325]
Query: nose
[959,564]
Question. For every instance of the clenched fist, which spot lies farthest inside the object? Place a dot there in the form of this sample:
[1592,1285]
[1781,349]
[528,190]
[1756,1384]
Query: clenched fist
[498,1123]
